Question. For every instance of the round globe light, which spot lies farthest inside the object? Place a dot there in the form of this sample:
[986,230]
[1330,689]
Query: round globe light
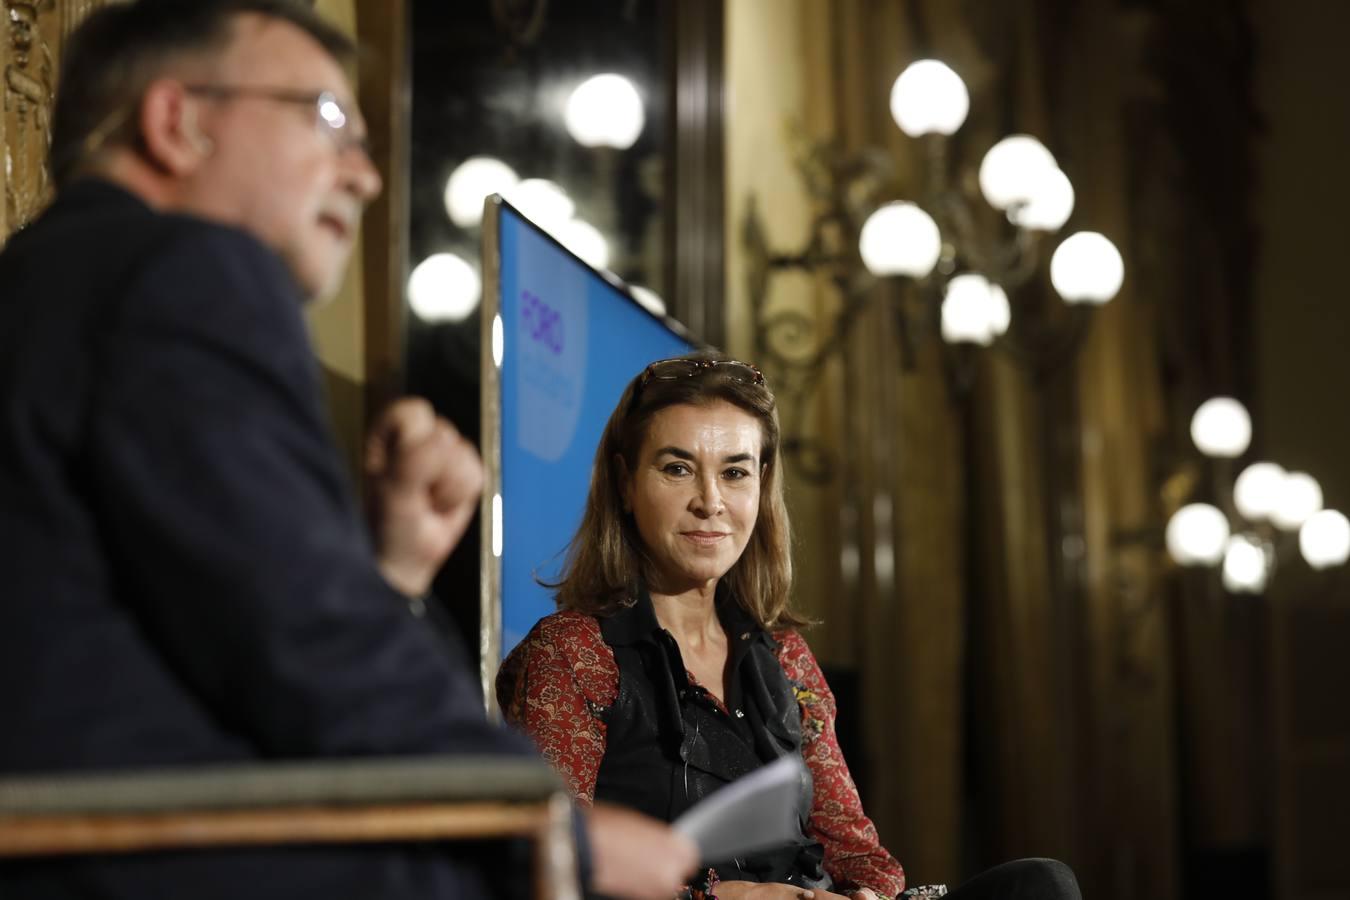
[472,180]
[605,111]
[1257,490]
[1087,268]
[586,241]
[900,239]
[929,98]
[444,288]
[1197,535]
[1013,170]
[1300,497]
[648,299]
[1246,565]
[1221,428]
[542,202]
[1324,540]
[974,310]
[1050,206]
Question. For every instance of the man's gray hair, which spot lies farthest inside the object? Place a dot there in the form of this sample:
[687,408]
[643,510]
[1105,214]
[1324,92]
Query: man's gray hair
[114,55]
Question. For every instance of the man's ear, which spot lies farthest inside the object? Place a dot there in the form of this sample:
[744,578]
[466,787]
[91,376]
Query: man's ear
[170,136]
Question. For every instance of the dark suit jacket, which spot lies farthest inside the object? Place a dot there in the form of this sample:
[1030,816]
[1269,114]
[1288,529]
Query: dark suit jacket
[185,575]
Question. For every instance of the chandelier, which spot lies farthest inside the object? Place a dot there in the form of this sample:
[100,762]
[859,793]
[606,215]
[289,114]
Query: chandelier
[963,262]
[1258,517]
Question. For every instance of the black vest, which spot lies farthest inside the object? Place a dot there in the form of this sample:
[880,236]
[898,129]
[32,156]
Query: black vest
[669,745]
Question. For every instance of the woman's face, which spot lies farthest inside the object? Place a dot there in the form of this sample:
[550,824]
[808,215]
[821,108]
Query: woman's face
[694,493]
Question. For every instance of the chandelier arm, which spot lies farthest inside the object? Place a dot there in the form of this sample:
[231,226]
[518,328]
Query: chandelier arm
[1018,261]
[958,227]
[1050,352]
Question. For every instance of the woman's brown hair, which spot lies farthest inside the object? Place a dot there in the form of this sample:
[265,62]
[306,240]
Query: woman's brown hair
[606,558]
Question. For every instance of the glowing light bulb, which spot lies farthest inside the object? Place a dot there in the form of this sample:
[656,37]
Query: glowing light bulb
[929,98]
[1050,205]
[1300,497]
[900,239]
[473,180]
[1324,540]
[1197,535]
[444,288]
[605,111]
[1257,490]
[1221,428]
[1246,565]
[1013,171]
[974,310]
[1087,268]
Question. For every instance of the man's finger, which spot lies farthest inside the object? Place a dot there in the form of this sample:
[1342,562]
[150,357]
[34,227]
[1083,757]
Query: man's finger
[406,423]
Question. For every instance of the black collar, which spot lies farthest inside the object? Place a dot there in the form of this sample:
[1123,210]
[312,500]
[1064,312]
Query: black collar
[636,624]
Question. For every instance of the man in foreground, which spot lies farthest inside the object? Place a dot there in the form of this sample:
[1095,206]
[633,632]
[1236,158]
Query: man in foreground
[187,577]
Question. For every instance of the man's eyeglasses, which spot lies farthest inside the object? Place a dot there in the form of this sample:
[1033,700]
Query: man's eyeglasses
[674,369]
[330,118]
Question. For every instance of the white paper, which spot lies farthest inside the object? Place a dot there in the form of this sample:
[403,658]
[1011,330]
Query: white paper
[751,813]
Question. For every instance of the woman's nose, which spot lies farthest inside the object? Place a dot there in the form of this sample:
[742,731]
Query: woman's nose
[708,498]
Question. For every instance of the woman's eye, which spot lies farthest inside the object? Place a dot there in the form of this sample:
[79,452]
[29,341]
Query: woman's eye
[735,474]
[676,469]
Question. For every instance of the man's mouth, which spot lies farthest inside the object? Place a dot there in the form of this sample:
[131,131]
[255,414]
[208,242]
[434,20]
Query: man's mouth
[340,226]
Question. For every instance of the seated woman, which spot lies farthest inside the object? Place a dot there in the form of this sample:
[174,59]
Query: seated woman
[674,665]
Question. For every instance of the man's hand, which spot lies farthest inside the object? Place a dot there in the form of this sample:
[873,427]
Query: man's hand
[637,857]
[424,482]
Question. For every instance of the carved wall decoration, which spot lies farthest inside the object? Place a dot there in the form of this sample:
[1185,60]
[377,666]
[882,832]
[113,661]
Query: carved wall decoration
[32,34]
[29,83]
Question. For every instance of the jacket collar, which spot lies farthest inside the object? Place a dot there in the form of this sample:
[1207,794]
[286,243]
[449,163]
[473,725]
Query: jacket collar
[636,624]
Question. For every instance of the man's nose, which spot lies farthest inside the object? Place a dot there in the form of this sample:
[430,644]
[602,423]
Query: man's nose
[361,177]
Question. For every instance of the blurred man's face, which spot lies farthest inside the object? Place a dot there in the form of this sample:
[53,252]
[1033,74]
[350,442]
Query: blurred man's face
[271,168]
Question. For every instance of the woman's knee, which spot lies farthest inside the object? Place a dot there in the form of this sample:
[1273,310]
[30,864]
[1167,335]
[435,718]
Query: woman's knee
[1044,879]
[1025,879]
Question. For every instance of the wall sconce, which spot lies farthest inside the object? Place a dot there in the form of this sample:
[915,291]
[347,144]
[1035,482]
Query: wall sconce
[1259,516]
[963,271]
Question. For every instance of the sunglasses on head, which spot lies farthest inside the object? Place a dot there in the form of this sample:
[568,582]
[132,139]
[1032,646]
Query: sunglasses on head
[675,369]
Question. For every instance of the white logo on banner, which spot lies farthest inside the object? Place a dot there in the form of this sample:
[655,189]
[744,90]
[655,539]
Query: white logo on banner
[551,341]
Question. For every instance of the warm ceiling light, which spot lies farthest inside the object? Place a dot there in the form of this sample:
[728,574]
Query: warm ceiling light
[444,288]
[1197,535]
[1324,540]
[1087,268]
[1013,170]
[1221,428]
[1257,490]
[929,98]
[900,239]
[473,180]
[605,111]
[1300,497]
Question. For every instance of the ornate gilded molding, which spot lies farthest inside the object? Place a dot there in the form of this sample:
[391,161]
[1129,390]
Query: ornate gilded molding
[29,86]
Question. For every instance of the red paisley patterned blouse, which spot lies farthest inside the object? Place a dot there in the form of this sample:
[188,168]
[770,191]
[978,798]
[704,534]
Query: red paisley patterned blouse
[557,681]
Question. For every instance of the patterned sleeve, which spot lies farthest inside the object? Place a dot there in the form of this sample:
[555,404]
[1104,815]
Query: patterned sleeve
[854,856]
[553,687]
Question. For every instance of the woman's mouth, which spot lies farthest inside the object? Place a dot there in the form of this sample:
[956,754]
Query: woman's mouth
[704,537]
